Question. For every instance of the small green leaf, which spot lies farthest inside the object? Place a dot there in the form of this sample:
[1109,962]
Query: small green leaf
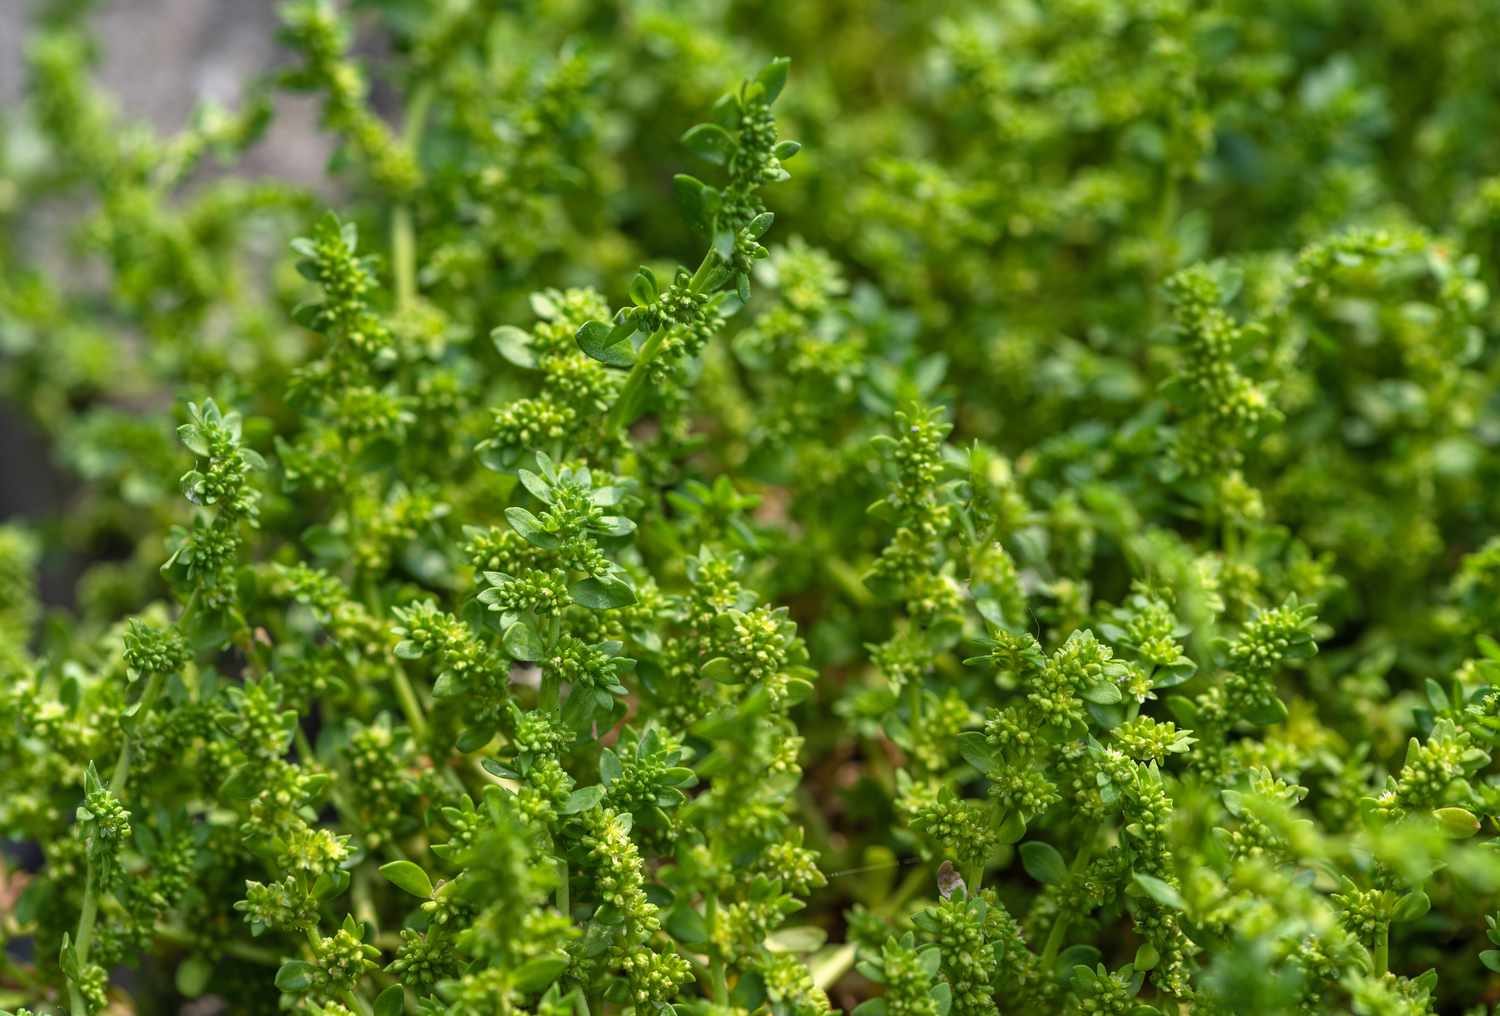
[514,345]
[530,528]
[536,974]
[977,751]
[687,925]
[720,669]
[296,976]
[193,975]
[1162,892]
[406,875]
[523,643]
[1043,863]
[772,77]
[1412,906]
[391,1001]
[1459,823]
[1105,693]
[602,593]
[604,344]
[711,142]
[583,799]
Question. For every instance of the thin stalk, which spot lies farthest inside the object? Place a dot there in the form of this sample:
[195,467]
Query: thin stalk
[639,371]
[849,581]
[1055,937]
[718,983]
[411,706]
[403,232]
[634,381]
[973,875]
[88,913]
[178,935]
[1382,950]
[404,256]
[358,1004]
[564,906]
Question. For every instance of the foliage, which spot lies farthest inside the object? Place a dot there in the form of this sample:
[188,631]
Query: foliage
[1028,552]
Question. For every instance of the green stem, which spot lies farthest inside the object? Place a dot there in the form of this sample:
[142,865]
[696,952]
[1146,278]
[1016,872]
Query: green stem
[849,581]
[358,1003]
[177,935]
[620,413]
[564,906]
[1059,930]
[973,878]
[717,980]
[1382,950]
[404,256]
[403,232]
[88,913]
[410,705]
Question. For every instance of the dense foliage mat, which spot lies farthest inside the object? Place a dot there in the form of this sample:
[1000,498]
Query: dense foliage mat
[1031,550]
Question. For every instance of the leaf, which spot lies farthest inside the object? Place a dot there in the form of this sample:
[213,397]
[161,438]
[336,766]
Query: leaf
[870,1007]
[605,593]
[523,643]
[1459,823]
[296,976]
[802,939]
[1162,892]
[193,975]
[772,77]
[605,344]
[1105,693]
[583,799]
[609,766]
[407,875]
[720,669]
[977,751]
[514,345]
[643,288]
[687,925]
[1411,907]
[391,1001]
[1043,863]
[711,142]
[699,202]
[1146,957]
[540,972]
[530,528]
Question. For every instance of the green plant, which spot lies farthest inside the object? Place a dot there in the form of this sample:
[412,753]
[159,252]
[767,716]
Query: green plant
[1048,570]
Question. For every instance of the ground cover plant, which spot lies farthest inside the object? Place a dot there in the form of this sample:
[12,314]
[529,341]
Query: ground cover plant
[930,509]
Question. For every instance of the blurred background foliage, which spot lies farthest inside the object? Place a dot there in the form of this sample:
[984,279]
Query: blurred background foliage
[988,207]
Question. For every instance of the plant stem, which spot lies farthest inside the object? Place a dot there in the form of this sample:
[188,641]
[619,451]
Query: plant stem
[404,256]
[178,935]
[973,875]
[564,906]
[634,381]
[403,232]
[89,911]
[1055,937]
[717,981]
[411,706]
[1382,950]
[619,413]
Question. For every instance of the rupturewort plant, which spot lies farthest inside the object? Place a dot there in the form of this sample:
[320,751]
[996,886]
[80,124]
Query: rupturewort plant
[1033,552]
